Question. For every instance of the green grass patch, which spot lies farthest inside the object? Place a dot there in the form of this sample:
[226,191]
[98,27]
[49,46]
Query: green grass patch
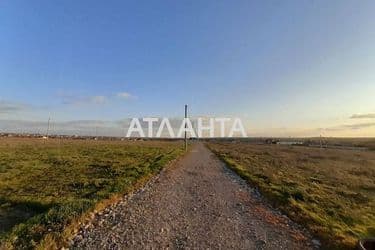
[46,184]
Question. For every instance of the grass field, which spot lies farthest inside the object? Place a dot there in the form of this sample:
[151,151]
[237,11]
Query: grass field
[368,143]
[46,184]
[330,191]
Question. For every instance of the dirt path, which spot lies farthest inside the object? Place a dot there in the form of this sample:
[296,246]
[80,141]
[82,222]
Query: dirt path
[198,203]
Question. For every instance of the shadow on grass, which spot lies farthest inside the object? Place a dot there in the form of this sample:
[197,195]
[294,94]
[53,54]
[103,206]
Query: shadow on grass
[16,212]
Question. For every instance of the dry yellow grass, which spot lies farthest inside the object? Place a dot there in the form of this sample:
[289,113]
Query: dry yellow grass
[331,191]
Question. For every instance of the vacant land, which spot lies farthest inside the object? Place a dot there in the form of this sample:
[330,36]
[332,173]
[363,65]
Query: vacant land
[196,204]
[367,143]
[46,184]
[331,191]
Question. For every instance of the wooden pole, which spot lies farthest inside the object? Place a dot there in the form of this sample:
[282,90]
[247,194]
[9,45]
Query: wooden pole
[49,119]
[185,128]
[320,140]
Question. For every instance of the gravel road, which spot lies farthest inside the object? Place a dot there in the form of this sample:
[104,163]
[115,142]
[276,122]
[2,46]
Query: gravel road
[196,203]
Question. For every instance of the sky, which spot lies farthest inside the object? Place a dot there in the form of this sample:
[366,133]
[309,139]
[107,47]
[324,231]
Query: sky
[286,68]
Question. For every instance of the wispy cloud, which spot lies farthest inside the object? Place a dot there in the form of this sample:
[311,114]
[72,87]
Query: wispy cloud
[7,107]
[363,116]
[81,100]
[79,127]
[126,95]
[355,126]
[73,99]
[98,99]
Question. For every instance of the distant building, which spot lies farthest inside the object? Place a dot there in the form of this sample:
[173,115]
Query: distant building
[289,143]
[271,141]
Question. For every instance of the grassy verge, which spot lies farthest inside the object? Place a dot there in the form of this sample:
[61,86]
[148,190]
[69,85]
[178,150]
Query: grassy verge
[45,186]
[330,191]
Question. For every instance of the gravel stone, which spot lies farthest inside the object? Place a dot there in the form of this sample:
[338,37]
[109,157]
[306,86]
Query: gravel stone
[198,203]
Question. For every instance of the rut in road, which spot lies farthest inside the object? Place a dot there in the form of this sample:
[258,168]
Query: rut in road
[197,203]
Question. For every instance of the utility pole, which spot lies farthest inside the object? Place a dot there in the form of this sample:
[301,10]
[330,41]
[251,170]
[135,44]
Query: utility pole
[49,119]
[320,140]
[186,106]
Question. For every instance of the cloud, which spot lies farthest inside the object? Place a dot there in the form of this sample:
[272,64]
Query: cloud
[81,127]
[81,100]
[363,116]
[72,99]
[99,99]
[11,107]
[351,126]
[73,127]
[361,125]
[126,95]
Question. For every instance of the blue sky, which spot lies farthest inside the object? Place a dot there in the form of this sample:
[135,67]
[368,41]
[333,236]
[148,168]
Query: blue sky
[286,67]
